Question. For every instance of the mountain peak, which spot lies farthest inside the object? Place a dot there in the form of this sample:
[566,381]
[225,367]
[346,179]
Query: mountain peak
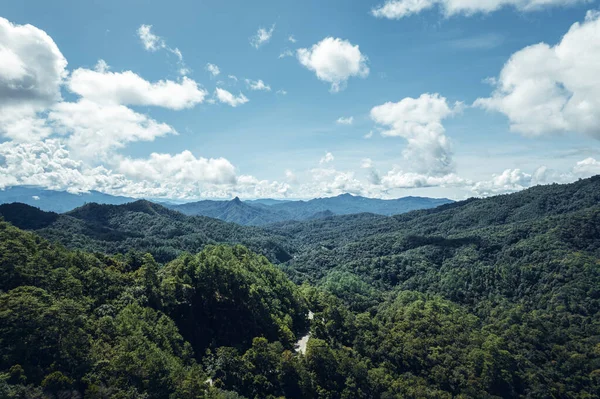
[236,200]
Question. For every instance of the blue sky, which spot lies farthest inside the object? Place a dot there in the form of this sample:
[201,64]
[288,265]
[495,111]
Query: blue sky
[275,144]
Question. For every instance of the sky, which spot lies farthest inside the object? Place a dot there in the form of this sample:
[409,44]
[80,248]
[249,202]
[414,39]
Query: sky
[298,99]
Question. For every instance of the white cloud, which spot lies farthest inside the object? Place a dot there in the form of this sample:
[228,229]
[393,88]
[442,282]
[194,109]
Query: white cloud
[182,168]
[333,182]
[257,85]
[368,135]
[233,77]
[396,9]
[508,181]
[345,121]
[552,89]
[101,66]
[292,39]
[281,92]
[262,36]
[227,98]
[327,158]
[213,69]
[48,164]
[419,121]
[334,61]
[397,178]
[290,176]
[366,163]
[251,187]
[128,88]
[31,73]
[152,42]
[587,167]
[286,53]
[96,129]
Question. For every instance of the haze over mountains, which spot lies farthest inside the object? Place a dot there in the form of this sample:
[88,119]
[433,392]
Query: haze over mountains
[253,212]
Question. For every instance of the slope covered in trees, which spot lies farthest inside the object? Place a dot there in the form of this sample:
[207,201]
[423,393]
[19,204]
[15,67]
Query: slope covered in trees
[140,226]
[486,298]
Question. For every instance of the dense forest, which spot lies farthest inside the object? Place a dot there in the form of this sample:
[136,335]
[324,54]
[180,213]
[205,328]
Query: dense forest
[484,298]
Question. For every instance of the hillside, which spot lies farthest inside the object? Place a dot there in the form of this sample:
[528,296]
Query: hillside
[484,298]
[140,226]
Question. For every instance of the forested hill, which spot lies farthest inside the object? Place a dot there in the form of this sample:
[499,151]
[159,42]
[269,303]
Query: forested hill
[140,226]
[485,298]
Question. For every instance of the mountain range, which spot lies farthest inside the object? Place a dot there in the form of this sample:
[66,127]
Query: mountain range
[262,212]
[57,201]
[251,213]
[482,298]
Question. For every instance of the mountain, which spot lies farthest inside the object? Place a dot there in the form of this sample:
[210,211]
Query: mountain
[346,204]
[266,201]
[140,226]
[234,211]
[263,212]
[56,201]
[483,298]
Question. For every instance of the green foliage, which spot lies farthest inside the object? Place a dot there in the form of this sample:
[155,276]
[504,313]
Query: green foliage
[226,296]
[494,298]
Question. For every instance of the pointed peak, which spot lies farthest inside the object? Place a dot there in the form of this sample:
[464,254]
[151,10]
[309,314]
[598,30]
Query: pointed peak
[236,200]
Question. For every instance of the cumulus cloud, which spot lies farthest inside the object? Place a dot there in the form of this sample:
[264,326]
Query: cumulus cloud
[327,158]
[397,9]
[257,85]
[31,73]
[587,167]
[508,181]
[227,98]
[183,168]
[292,39]
[366,163]
[345,121]
[419,121]
[333,182]
[262,36]
[397,178]
[95,129]
[334,61]
[213,69]
[545,89]
[368,135]
[48,164]
[250,186]
[128,88]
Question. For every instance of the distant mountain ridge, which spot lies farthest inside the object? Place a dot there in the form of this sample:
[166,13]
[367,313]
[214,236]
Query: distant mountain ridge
[257,212]
[262,212]
[57,201]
